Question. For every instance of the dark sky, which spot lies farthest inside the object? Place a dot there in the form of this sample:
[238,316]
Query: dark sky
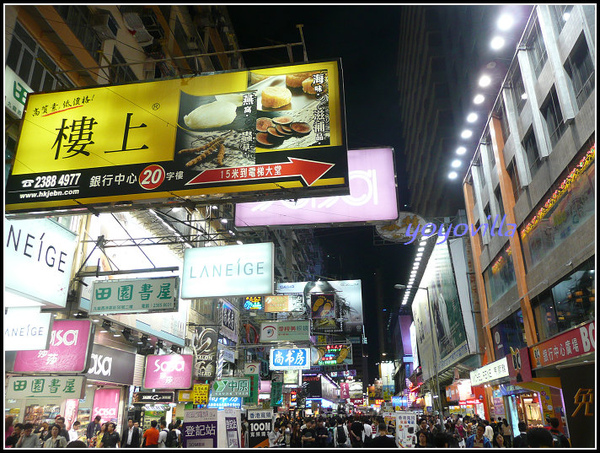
[366,40]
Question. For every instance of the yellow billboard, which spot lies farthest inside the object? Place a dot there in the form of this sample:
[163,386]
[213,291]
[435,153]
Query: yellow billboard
[253,131]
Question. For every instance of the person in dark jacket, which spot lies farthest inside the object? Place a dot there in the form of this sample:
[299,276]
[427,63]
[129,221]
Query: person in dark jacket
[556,434]
[520,441]
[383,440]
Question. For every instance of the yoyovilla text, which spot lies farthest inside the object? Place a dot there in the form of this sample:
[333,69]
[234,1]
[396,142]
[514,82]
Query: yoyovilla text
[443,232]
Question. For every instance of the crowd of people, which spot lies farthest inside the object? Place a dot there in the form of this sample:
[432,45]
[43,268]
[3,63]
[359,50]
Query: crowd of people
[332,431]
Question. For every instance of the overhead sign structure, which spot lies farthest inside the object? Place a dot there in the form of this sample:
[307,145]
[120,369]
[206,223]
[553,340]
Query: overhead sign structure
[288,359]
[165,141]
[138,295]
[40,253]
[373,198]
[232,270]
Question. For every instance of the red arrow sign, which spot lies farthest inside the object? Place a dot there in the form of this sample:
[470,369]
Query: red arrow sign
[309,170]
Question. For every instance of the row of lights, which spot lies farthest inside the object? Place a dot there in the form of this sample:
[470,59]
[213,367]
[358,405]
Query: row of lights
[415,268]
[143,340]
[505,22]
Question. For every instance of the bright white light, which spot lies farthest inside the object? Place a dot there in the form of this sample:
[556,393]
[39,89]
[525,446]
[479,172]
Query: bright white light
[524,96]
[497,43]
[417,259]
[478,99]
[485,81]
[461,150]
[466,133]
[224,221]
[421,249]
[420,254]
[452,175]
[423,242]
[505,22]
[456,163]
[566,16]
[472,117]
[240,243]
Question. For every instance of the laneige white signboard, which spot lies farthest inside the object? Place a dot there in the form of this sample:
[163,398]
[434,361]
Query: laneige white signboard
[39,254]
[232,270]
[26,329]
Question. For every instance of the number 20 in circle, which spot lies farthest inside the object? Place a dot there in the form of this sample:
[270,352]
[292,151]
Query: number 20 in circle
[152,177]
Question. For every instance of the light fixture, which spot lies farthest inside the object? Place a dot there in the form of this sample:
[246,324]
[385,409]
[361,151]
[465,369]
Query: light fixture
[240,243]
[143,339]
[106,326]
[497,43]
[456,163]
[472,117]
[452,175]
[224,221]
[417,259]
[478,99]
[461,150]
[505,22]
[421,249]
[484,81]
[466,133]
[128,335]
[419,253]
[176,349]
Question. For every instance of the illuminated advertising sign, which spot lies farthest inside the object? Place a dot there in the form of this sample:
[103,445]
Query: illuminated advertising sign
[232,270]
[253,302]
[372,197]
[26,329]
[55,387]
[332,354]
[288,359]
[161,141]
[275,331]
[168,371]
[276,304]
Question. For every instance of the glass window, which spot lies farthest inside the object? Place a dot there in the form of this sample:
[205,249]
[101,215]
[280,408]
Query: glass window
[553,116]
[498,195]
[560,15]
[537,49]
[120,74]
[567,304]
[514,179]
[499,277]
[518,89]
[77,17]
[500,113]
[509,333]
[531,150]
[565,207]
[580,68]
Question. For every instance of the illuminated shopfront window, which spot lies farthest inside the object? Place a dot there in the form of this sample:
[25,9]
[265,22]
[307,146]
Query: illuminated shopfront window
[499,276]
[568,205]
[567,304]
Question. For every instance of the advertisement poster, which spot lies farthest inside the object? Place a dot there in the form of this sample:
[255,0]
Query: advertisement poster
[231,428]
[578,389]
[259,426]
[406,429]
[272,129]
[230,320]
[348,300]
[276,394]
[106,405]
[271,332]
[70,345]
[168,371]
[200,428]
[205,344]
[332,354]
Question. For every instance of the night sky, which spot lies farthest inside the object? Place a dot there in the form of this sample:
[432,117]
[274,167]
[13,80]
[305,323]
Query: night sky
[366,40]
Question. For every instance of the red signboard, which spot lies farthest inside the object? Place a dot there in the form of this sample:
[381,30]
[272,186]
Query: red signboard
[568,345]
[519,365]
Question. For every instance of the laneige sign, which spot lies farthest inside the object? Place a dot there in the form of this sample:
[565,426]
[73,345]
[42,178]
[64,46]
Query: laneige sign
[234,270]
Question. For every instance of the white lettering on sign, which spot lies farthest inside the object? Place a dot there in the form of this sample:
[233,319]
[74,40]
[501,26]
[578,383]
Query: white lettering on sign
[69,338]
[105,412]
[169,366]
[100,365]
[588,337]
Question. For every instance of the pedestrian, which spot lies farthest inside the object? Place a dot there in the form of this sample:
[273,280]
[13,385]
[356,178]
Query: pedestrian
[151,436]
[132,438]
[276,436]
[8,427]
[384,439]
[27,438]
[309,435]
[560,440]
[92,429]
[14,437]
[296,437]
[73,434]
[521,440]
[41,431]
[478,440]
[111,438]
[60,421]
[422,441]
[506,432]
[322,434]
[162,436]
[425,429]
[489,431]
[55,440]
[178,431]
[76,444]
[499,441]
[341,436]
[356,431]
[539,438]
[100,435]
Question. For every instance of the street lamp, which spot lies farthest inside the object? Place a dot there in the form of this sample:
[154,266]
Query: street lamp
[434,349]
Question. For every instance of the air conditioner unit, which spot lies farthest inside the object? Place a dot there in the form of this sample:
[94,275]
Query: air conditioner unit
[105,25]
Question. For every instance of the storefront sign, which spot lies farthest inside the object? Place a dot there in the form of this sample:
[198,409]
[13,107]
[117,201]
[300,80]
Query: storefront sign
[519,366]
[277,304]
[15,92]
[253,303]
[578,390]
[139,295]
[168,371]
[106,405]
[111,365]
[26,329]
[200,428]
[332,354]
[286,359]
[227,354]
[40,253]
[200,393]
[259,427]
[254,387]
[230,321]
[205,343]
[232,270]
[490,372]
[232,432]
[372,197]
[70,342]
[274,331]
[231,387]
[252,368]
[57,387]
[152,398]
[573,343]
[172,139]
[222,402]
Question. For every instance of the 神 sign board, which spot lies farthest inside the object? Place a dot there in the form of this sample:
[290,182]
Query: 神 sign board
[270,130]
[138,295]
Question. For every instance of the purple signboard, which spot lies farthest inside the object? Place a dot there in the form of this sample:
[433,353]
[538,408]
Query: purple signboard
[200,428]
[68,351]
[168,371]
[372,198]
[231,427]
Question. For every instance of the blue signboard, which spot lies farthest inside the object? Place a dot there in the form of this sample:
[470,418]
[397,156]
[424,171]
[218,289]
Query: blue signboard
[290,359]
[225,401]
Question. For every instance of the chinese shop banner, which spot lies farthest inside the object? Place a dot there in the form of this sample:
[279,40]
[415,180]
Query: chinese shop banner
[332,354]
[278,129]
[147,295]
[231,387]
[259,427]
[106,405]
[70,345]
[275,331]
[168,371]
[200,428]
[204,342]
[573,343]
[578,390]
[289,359]
[57,387]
